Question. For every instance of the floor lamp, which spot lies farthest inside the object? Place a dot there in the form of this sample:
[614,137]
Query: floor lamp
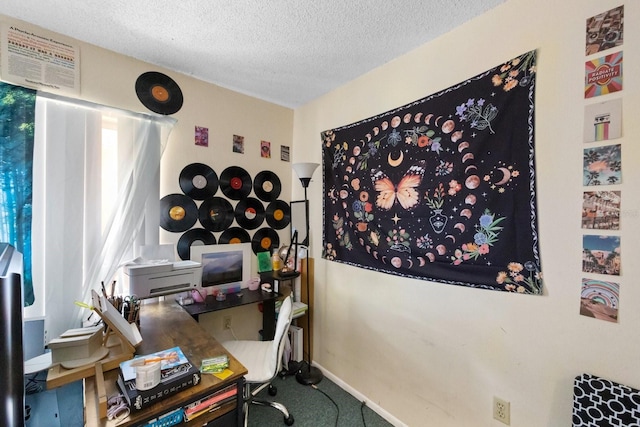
[307,374]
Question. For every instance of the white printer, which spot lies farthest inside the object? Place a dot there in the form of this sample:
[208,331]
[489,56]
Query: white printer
[148,279]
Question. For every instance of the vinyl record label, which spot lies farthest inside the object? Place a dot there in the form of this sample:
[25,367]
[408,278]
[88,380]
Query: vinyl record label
[235,183]
[249,213]
[198,181]
[177,212]
[234,235]
[278,214]
[159,93]
[215,214]
[265,239]
[193,237]
[267,186]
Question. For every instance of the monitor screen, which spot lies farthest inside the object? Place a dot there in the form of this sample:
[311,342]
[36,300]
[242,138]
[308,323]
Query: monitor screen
[224,267]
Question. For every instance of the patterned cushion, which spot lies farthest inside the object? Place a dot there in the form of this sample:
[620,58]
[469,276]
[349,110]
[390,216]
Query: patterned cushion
[598,402]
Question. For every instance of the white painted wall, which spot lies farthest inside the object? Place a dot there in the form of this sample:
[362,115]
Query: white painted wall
[430,354]
[435,355]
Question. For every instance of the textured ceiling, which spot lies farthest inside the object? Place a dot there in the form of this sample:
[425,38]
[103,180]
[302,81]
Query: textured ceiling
[284,51]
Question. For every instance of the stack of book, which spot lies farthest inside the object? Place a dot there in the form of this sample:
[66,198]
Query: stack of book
[177,373]
[210,403]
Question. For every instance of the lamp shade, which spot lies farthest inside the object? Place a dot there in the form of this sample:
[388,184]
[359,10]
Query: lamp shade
[305,172]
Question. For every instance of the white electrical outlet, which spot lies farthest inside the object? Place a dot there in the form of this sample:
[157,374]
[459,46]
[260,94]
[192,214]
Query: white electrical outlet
[226,322]
[501,410]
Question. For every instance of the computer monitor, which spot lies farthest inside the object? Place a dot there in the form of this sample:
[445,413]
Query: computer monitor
[225,267]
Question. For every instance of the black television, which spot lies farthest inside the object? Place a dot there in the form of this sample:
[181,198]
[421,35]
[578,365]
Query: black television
[11,350]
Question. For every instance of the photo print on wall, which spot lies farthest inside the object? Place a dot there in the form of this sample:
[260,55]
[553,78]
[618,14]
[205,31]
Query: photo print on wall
[601,254]
[600,299]
[238,144]
[603,75]
[202,136]
[605,31]
[602,165]
[601,210]
[603,121]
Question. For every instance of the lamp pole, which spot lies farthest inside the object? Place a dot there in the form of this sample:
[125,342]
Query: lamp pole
[307,374]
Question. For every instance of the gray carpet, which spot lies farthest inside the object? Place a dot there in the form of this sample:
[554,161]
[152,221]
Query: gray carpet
[312,408]
[309,407]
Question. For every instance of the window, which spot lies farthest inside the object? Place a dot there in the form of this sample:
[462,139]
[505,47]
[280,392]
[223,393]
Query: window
[96,191]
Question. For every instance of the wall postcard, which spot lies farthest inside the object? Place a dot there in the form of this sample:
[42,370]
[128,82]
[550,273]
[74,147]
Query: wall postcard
[602,165]
[238,144]
[603,75]
[603,121]
[202,136]
[600,299]
[441,189]
[601,254]
[605,30]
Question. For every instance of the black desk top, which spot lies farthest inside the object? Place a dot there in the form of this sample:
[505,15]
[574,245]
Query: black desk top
[235,299]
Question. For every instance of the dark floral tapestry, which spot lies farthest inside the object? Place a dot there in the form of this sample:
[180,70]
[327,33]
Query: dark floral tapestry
[441,189]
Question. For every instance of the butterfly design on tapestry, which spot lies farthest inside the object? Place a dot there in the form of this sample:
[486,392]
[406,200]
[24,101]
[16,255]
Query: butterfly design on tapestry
[405,192]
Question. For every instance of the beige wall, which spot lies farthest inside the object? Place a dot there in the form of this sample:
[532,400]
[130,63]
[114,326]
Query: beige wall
[428,354]
[108,78]
[435,355]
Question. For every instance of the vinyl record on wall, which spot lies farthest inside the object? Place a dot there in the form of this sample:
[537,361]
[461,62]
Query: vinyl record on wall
[267,186]
[265,239]
[249,213]
[194,237]
[235,183]
[234,235]
[159,93]
[278,214]
[198,181]
[177,212]
[215,214]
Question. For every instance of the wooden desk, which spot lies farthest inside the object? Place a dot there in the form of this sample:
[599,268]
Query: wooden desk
[164,325]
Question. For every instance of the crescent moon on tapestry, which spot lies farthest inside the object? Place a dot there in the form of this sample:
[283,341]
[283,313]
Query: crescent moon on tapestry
[395,162]
[506,176]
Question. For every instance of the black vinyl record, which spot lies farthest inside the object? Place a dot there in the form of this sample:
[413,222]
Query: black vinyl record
[198,181]
[235,182]
[278,214]
[177,212]
[194,237]
[215,214]
[265,239]
[249,213]
[267,186]
[234,235]
[159,93]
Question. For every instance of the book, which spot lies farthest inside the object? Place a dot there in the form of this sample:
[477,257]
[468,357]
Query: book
[210,402]
[172,380]
[169,358]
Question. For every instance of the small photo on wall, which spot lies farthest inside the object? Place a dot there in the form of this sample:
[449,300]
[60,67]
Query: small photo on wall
[601,210]
[265,149]
[601,254]
[603,75]
[602,165]
[202,136]
[605,30]
[600,299]
[284,153]
[238,144]
[603,121]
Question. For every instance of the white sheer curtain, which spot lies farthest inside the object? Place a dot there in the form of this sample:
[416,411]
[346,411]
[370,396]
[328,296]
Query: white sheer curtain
[79,237]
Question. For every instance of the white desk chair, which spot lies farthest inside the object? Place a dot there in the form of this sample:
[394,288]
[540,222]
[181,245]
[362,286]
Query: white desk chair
[263,360]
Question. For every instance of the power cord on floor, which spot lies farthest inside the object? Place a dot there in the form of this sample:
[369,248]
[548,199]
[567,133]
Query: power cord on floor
[364,423]
[332,401]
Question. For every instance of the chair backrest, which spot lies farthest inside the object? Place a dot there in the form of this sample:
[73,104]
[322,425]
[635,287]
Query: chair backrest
[282,326]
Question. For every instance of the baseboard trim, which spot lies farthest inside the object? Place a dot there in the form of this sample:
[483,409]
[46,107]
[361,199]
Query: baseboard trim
[361,397]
